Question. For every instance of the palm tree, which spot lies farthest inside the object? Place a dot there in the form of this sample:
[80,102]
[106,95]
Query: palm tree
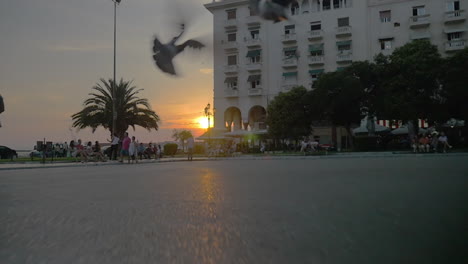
[131,110]
[181,135]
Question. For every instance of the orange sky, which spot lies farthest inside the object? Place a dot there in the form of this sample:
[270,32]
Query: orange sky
[56,51]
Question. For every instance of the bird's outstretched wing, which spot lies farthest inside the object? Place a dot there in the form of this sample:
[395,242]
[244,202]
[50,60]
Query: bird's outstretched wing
[190,43]
[284,3]
[156,45]
[253,5]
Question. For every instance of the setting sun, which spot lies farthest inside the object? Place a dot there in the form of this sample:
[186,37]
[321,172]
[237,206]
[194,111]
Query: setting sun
[202,122]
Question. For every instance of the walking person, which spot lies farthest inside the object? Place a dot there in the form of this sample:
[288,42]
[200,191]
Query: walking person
[190,146]
[133,150]
[125,146]
[114,147]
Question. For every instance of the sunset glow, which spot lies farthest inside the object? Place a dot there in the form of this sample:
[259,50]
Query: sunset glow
[202,122]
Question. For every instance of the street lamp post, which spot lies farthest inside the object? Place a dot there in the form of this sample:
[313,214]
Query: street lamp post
[114,87]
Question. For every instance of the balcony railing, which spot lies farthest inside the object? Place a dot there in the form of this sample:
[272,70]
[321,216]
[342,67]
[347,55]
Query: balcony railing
[315,34]
[229,44]
[253,66]
[344,57]
[316,59]
[255,91]
[455,45]
[344,31]
[455,16]
[230,23]
[252,20]
[289,37]
[231,68]
[289,62]
[231,92]
[420,21]
[253,41]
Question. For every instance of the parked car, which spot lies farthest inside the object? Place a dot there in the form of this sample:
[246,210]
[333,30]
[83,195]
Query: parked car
[7,153]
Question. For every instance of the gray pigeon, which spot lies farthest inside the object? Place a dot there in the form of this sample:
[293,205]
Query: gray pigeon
[274,10]
[164,53]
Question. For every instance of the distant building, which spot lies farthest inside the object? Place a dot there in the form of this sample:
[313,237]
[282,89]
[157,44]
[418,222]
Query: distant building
[254,60]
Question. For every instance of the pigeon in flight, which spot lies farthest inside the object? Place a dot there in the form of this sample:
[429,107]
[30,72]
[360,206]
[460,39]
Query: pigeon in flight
[2,105]
[274,10]
[164,53]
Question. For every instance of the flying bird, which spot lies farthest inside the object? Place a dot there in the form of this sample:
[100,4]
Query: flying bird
[2,105]
[274,10]
[164,53]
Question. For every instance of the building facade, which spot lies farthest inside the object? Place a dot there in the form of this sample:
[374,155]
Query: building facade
[254,59]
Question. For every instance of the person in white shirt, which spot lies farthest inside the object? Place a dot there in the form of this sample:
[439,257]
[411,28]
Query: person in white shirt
[114,147]
[132,150]
[443,140]
[190,145]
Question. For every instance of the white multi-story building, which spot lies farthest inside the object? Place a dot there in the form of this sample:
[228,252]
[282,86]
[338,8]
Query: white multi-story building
[254,59]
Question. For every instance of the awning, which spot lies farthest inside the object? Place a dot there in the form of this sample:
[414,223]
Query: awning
[230,80]
[290,49]
[386,38]
[316,47]
[314,72]
[453,30]
[254,78]
[253,53]
[343,43]
[286,74]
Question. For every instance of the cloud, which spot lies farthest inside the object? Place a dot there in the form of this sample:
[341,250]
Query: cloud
[206,70]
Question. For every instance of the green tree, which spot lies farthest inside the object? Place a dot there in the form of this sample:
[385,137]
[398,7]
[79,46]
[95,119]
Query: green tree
[182,136]
[411,83]
[287,115]
[337,98]
[131,110]
[455,84]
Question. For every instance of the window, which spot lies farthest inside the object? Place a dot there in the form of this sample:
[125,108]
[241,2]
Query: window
[454,8]
[290,77]
[294,8]
[252,12]
[386,44]
[343,22]
[419,11]
[254,56]
[232,37]
[326,5]
[454,36]
[344,47]
[254,81]
[232,60]
[385,16]
[231,14]
[231,83]
[290,52]
[254,34]
[315,26]
[316,50]
[336,4]
[289,29]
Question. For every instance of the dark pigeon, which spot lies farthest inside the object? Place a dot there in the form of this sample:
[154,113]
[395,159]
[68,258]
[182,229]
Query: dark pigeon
[165,53]
[274,10]
[2,105]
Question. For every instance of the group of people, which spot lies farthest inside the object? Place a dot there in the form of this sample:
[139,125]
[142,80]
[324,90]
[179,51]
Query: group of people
[85,152]
[430,143]
[132,150]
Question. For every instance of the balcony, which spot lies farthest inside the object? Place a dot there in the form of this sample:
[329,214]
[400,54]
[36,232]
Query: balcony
[289,37]
[455,45]
[231,68]
[290,62]
[286,87]
[229,44]
[251,42]
[316,60]
[419,21]
[315,34]
[344,57]
[253,67]
[420,35]
[255,91]
[455,16]
[230,23]
[231,92]
[253,20]
[344,31]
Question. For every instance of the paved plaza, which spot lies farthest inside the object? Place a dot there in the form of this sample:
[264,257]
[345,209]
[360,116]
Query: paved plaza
[353,210]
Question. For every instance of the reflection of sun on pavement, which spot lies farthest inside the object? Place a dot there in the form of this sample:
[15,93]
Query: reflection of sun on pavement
[208,186]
